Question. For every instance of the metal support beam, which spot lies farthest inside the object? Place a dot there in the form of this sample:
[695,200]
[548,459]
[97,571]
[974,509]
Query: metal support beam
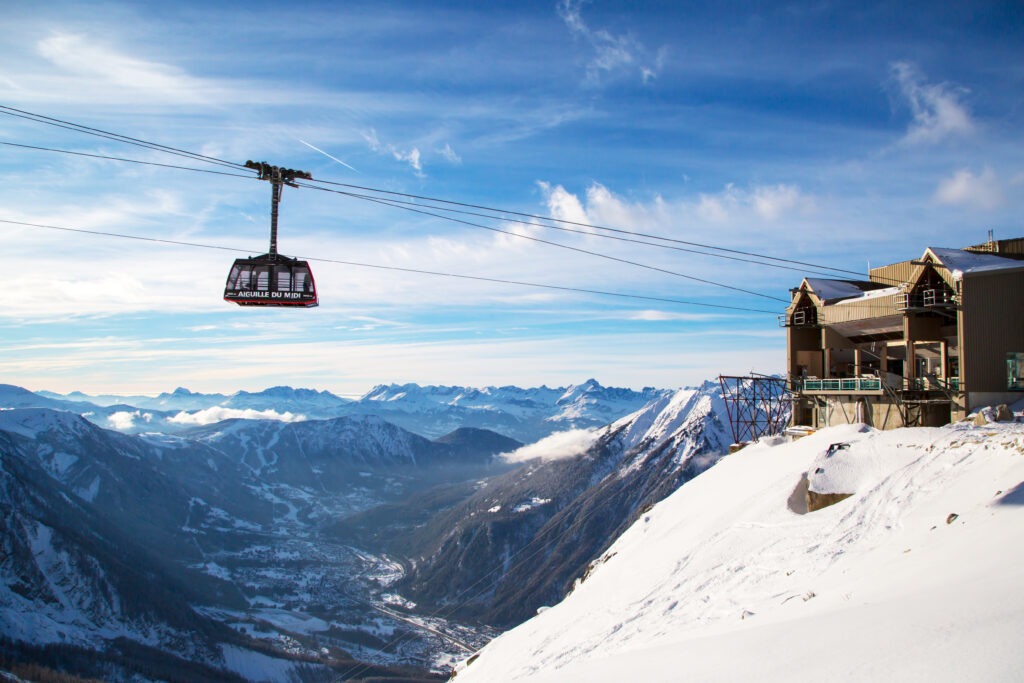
[757,405]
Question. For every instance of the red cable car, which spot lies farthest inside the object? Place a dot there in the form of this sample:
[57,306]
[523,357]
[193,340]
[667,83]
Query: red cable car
[272,279]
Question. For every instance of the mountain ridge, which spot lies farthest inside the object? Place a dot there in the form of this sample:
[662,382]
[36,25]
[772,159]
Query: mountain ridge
[429,410]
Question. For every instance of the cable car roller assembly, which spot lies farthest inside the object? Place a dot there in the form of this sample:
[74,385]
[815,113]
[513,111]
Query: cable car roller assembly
[272,279]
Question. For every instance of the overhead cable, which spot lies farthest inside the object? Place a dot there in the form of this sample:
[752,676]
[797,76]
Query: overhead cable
[502,213]
[417,271]
[609,257]
[89,130]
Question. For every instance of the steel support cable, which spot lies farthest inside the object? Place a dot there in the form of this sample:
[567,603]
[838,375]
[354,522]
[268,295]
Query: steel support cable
[504,212]
[387,202]
[130,161]
[617,238]
[89,130]
[415,271]
[592,226]
[394,203]
[39,118]
[400,204]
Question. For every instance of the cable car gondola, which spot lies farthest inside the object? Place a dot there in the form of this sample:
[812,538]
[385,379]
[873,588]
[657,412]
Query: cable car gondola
[272,279]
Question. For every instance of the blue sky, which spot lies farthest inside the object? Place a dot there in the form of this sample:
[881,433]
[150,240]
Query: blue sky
[841,134]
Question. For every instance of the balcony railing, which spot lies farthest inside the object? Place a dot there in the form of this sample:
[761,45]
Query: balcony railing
[873,384]
[801,317]
[839,384]
[927,298]
[932,383]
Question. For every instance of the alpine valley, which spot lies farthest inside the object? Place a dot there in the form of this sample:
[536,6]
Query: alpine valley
[294,535]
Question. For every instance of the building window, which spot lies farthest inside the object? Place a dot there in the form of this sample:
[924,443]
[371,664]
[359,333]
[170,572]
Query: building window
[1015,371]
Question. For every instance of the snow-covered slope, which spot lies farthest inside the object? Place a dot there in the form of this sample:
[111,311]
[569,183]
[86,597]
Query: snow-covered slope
[917,576]
[576,493]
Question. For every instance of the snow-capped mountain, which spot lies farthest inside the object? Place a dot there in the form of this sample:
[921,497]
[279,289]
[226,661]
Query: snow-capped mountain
[560,510]
[523,414]
[76,576]
[915,576]
[332,454]
[179,399]
[348,534]
[431,411]
[309,402]
[92,517]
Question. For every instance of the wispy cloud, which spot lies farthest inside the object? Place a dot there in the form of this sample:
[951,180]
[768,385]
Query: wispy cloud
[612,53]
[449,154]
[938,109]
[765,203]
[82,56]
[964,188]
[218,414]
[410,156]
[558,446]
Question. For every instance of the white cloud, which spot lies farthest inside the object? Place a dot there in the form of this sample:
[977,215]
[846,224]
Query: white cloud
[772,201]
[449,154]
[412,157]
[372,140]
[79,55]
[559,445]
[218,414]
[562,204]
[966,189]
[760,203]
[717,208]
[669,316]
[612,53]
[124,419]
[936,107]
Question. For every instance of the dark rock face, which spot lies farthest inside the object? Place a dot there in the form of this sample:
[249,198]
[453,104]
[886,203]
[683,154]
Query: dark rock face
[817,501]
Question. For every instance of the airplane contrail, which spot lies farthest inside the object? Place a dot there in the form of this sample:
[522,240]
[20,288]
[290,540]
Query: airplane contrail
[327,155]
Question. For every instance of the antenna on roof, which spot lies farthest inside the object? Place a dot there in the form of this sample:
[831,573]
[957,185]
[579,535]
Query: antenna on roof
[991,235]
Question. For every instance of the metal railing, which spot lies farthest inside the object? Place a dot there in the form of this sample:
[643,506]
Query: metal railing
[839,384]
[927,298]
[874,384]
[801,317]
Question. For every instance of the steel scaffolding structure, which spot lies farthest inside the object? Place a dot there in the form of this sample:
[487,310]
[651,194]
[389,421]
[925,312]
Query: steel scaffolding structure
[758,405]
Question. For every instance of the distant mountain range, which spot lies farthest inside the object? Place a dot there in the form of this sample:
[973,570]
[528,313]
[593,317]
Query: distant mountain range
[112,541]
[430,411]
[303,547]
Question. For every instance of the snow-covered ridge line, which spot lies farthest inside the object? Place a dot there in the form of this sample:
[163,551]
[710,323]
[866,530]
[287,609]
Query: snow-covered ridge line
[432,411]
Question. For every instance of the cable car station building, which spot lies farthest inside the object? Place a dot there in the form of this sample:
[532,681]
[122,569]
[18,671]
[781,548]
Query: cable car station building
[920,343]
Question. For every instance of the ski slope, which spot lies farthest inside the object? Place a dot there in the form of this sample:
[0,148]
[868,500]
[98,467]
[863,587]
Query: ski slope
[917,576]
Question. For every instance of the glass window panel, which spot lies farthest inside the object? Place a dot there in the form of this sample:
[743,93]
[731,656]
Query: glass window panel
[1015,371]
[284,279]
[262,278]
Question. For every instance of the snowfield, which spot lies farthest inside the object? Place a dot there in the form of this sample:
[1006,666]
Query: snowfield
[918,576]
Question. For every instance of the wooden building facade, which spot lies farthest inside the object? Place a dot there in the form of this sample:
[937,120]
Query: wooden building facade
[918,343]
